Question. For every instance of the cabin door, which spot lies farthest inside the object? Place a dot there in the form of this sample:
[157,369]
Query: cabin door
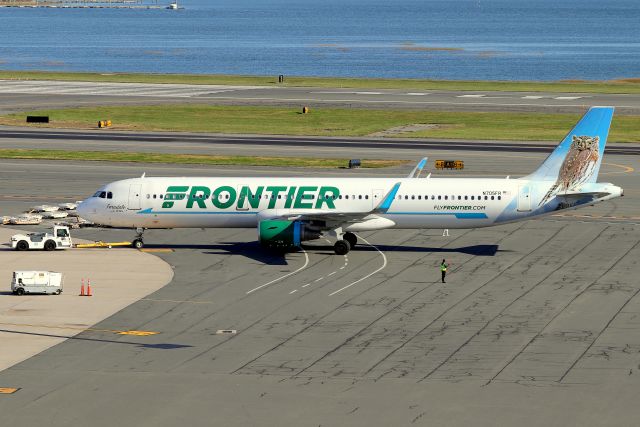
[524,198]
[134,196]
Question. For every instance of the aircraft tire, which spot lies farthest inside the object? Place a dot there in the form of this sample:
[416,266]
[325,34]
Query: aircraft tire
[137,243]
[342,247]
[351,238]
[20,291]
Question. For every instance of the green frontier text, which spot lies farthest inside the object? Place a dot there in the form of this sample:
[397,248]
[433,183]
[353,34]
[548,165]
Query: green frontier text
[244,197]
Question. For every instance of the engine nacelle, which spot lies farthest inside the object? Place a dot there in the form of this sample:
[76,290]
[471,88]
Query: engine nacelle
[282,234]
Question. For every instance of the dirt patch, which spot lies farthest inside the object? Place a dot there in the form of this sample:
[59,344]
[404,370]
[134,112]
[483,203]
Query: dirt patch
[416,127]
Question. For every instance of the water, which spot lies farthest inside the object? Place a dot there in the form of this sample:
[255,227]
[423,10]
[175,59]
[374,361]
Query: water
[482,39]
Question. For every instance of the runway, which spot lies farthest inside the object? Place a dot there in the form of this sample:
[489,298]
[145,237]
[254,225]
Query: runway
[20,95]
[200,143]
[537,324]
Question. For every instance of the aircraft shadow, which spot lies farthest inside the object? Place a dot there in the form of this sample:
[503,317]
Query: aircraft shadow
[251,250]
[254,251]
[161,346]
[476,250]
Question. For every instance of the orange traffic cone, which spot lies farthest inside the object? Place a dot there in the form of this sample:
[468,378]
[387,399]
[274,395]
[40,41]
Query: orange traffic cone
[88,287]
[81,287]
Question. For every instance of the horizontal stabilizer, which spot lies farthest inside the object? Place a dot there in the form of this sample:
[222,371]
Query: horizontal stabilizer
[579,195]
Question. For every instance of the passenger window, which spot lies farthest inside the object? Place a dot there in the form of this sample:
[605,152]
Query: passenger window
[340,197]
[360,196]
[413,197]
[419,197]
[446,197]
[459,197]
[472,197]
[161,196]
[486,198]
[499,197]
[491,197]
[109,195]
[148,196]
[466,197]
[439,197]
[366,196]
[406,197]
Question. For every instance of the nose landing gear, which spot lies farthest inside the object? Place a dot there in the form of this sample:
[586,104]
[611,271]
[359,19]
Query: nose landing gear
[138,243]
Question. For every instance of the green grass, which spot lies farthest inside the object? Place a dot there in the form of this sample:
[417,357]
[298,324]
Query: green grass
[191,159]
[327,122]
[631,85]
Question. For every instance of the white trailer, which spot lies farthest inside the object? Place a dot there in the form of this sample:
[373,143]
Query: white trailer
[36,282]
[58,239]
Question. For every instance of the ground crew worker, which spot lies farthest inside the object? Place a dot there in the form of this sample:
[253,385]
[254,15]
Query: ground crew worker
[443,269]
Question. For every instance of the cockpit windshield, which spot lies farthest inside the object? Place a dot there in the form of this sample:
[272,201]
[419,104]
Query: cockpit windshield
[103,194]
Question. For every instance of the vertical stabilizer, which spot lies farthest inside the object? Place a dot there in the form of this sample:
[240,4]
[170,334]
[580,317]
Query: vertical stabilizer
[581,151]
[578,158]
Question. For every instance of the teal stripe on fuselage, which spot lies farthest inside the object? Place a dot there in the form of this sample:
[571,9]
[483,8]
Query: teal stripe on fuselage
[468,215]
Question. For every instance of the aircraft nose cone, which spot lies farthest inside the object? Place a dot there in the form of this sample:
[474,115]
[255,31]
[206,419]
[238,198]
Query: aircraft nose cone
[83,209]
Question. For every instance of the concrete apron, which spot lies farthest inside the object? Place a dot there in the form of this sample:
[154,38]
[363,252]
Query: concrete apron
[30,324]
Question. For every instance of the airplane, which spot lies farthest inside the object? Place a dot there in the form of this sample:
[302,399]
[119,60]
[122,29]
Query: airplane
[288,211]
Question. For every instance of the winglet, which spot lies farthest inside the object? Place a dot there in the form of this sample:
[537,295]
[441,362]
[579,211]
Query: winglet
[415,173]
[385,204]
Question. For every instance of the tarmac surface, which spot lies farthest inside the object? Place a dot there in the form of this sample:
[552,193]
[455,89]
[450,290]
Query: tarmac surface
[21,95]
[32,323]
[538,323]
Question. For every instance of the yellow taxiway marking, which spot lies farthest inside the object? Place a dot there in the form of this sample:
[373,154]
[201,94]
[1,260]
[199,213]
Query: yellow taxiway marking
[8,390]
[137,333]
[28,325]
[627,169]
[156,250]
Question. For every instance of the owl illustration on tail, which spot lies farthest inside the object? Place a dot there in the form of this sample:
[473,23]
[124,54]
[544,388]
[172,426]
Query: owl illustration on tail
[577,167]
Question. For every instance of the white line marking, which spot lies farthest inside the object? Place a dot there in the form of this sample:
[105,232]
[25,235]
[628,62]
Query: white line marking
[532,97]
[568,98]
[331,274]
[368,93]
[384,264]
[371,101]
[342,268]
[304,286]
[293,291]
[317,280]
[471,96]
[306,262]
[417,93]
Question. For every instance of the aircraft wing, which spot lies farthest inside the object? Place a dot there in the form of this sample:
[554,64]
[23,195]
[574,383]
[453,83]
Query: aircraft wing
[335,219]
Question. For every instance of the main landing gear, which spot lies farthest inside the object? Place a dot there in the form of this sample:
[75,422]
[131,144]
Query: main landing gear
[137,242]
[344,245]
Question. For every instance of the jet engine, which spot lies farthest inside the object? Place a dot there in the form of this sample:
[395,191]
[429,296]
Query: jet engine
[283,234]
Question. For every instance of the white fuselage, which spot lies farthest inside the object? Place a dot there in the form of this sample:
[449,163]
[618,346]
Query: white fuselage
[243,202]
